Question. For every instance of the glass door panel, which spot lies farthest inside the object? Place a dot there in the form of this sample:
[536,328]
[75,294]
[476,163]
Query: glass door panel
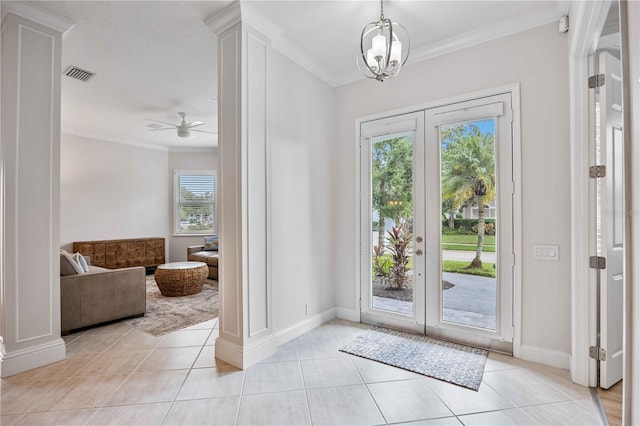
[392,192]
[468,236]
[469,199]
[392,286]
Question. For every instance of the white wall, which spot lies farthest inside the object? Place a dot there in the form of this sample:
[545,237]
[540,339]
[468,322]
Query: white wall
[111,191]
[301,131]
[201,160]
[538,59]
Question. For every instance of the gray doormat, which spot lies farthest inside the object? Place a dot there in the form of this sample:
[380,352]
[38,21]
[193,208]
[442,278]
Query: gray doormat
[167,314]
[451,362]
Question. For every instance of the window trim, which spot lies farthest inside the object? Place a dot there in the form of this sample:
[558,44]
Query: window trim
[175,202]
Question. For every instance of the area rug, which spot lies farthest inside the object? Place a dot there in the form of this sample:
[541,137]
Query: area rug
[458,364]
[166,314]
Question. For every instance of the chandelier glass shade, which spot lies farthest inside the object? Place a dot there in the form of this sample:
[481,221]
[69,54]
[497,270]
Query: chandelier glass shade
[384,48]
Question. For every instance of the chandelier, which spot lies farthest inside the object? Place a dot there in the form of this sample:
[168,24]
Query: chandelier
[381,48]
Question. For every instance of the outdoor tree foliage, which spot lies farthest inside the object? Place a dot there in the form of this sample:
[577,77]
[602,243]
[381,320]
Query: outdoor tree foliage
[392,182]
[196,208]
[468,172]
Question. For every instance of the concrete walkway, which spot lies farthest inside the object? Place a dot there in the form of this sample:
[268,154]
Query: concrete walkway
[468,255]
[471,301]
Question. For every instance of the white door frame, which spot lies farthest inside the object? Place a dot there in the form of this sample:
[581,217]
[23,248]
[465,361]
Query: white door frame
[514,90]
[587,26]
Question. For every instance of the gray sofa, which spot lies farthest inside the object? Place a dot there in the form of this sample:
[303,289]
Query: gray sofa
[199,254]
[101,295]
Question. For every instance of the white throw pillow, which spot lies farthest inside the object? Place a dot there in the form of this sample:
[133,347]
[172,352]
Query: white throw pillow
[82,262]
[71,258]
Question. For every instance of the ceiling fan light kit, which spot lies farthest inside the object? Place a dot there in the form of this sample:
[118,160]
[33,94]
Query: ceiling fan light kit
[184,128]
[381,48]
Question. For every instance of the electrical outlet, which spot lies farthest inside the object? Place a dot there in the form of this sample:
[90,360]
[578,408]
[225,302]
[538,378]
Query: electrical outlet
[307,308]
[546,252]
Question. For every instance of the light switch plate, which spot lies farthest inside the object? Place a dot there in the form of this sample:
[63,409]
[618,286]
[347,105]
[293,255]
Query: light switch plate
[546,252]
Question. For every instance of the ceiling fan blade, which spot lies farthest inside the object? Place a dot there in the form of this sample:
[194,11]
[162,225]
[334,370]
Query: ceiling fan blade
[196,123]
[163,122]
[164,128]
[205,131]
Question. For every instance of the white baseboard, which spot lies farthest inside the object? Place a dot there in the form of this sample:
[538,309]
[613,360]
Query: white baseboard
[348,314]
[27,359]
[305,326]
[545,356]
[244,357]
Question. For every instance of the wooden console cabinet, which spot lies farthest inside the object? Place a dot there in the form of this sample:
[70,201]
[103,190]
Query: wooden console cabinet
[114,254]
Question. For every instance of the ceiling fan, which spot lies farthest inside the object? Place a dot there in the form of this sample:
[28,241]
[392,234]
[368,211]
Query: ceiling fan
[184,128]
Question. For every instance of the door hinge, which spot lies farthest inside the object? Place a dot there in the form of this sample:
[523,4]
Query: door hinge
[596,81]
[597,171]
[599,354]
[597,262]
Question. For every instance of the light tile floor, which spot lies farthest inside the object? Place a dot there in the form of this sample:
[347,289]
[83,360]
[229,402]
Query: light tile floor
[118,375]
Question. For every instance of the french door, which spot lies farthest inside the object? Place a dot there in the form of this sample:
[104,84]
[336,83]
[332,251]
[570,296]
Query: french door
[436,224]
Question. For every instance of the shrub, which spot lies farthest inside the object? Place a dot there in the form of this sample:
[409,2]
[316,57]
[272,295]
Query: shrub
[381,262]
[462,267]
[398,246]
[466,225]
[489,228]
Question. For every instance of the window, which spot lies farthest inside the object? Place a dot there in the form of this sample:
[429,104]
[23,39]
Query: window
[195,202]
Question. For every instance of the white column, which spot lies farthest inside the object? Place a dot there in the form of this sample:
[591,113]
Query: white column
[29,188]
[246,329]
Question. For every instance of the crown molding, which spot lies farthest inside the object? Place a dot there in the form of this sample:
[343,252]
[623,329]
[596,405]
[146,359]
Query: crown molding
[36,14]
[303,59]
[242,12]
[485,34]
[80,133]
[284,45]
[225,19]
[238,12]
[472,38]
[194,150]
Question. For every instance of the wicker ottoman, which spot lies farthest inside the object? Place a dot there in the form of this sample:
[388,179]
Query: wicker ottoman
[181,278]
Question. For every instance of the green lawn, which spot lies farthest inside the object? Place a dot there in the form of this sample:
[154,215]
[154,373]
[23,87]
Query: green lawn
[489,240]
[462,267]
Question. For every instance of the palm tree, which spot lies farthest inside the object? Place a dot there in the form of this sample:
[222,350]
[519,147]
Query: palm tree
[468,172]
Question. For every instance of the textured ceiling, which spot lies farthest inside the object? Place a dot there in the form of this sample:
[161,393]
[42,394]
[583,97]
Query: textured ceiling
[153,59]
[328,32]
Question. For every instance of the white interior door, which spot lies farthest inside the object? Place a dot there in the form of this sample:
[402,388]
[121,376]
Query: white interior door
[611,223]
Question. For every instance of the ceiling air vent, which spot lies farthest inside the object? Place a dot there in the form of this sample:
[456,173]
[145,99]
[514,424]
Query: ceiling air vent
[78,73]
